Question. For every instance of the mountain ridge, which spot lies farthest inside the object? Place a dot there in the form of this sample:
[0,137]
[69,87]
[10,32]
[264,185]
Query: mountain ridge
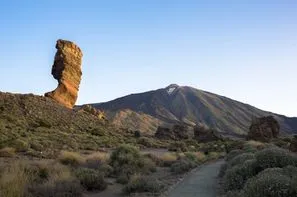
[185,104]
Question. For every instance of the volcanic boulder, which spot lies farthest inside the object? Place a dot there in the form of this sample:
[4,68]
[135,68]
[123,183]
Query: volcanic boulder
[67,70]
[204,134]
[263,129]
[177,132]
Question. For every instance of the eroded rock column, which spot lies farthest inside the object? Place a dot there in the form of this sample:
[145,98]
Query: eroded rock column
[67,70]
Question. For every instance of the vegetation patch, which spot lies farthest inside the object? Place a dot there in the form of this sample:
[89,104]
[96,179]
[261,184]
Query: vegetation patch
[143,184]
[71,158]
[91,179]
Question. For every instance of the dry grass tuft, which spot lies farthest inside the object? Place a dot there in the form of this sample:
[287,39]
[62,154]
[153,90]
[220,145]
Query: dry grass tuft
[14,180]
[169,157]
[71,158]
[99,156]
[7,152]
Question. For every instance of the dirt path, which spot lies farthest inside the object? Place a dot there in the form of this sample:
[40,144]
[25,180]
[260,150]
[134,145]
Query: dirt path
[201,183]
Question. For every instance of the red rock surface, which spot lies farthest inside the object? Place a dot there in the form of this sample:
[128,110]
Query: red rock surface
[67,70]
[264,129]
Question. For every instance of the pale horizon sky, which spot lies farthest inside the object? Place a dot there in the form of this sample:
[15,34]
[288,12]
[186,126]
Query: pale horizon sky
[245,50]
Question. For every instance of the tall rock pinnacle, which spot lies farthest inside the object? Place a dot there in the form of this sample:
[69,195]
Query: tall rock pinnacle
[67,70]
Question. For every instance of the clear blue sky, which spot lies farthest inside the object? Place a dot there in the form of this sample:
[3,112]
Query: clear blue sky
[242,49]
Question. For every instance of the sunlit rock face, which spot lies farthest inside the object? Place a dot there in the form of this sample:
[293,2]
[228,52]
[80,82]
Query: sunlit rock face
[67,71]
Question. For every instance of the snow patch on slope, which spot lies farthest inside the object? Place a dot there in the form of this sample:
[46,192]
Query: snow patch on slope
[170,90]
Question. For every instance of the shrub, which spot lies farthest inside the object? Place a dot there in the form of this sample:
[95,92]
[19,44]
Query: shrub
[44,171]
[123,178]
[233,145]
[156,159]
[62,188]
[290,171]
[91,179]
[233,154]
[182,166]
[126,161]
[236,176]
[213,155]
[178,147]
[201,157]
[7,152]
[145,141]
[270,183]
[71,158]
[95,160]
[275,157]
[223,170]
[240,159]
[140,184]
[191,156]
[148,166]
[254,144]
[105,169]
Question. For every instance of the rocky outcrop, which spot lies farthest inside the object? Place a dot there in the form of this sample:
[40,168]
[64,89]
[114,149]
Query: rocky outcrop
[93,111]
[293,145]
[67,70]
[177,132]
[264,129]
[204,134]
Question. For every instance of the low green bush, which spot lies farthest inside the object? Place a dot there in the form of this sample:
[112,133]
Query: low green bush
[145,141]
[127,161]
[125,157]
[240,159]
[191,156]
[182,166]
[236,176]
[157,160]
[148,166]
[233,154]
[91,179]
[270,183]
[143,184]
[223,170]
[275,157]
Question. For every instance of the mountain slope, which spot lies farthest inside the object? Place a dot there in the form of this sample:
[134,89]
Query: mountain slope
[189,105]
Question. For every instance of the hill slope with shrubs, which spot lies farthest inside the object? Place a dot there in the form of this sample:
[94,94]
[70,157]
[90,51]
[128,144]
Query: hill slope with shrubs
[37,123]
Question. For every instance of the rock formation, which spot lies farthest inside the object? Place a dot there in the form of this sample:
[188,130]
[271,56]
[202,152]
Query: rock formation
[67,70]
[177,132]
[93,111]
[264,129]
[204,134]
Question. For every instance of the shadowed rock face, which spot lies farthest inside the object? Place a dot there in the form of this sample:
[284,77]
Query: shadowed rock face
[264,129]
[177,132]
[204,134]
[67,70]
